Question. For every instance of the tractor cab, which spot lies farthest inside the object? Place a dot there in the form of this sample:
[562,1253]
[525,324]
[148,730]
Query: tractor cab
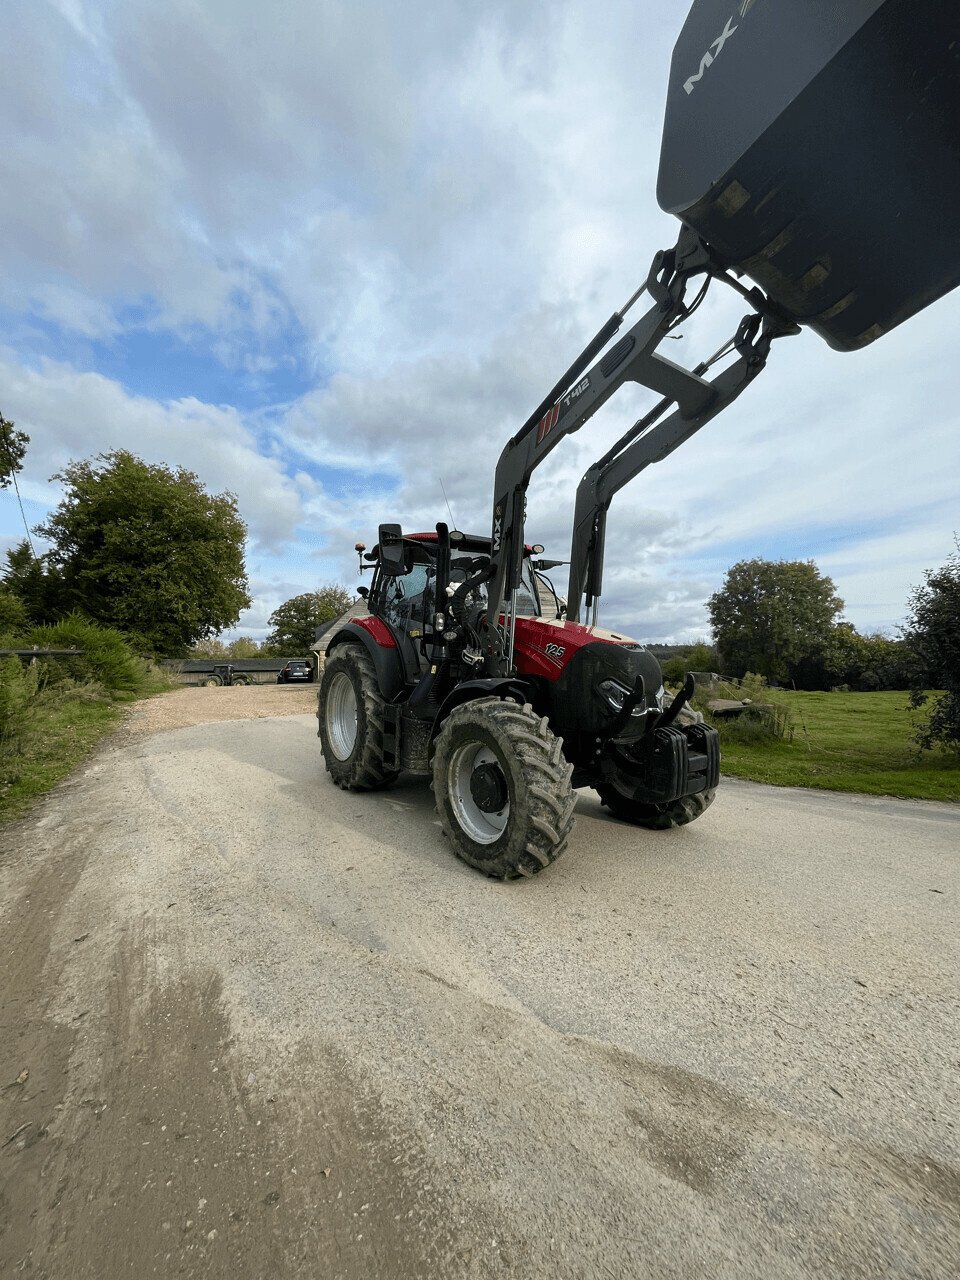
[404,594]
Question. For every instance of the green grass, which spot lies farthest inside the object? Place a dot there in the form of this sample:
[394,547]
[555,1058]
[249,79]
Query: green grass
[65,735]
[63,732]
[848,742]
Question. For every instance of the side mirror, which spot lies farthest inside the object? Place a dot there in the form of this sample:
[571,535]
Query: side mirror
[363,592]
[393,560]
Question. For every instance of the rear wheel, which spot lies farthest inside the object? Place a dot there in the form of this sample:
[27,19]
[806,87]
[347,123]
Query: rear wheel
[657,817]
[210,681]
[503,788]
[350,712]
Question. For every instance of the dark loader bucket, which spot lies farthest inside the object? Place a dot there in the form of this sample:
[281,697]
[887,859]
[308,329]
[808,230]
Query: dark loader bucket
[815,145]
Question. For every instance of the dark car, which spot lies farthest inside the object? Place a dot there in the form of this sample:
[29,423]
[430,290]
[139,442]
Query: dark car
[297,669]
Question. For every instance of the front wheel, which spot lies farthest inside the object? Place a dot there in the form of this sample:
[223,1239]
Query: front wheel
[503,788]
[350,711]
[657,817]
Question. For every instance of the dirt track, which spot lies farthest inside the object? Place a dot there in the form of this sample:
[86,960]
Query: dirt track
[192,705]
[271,1029]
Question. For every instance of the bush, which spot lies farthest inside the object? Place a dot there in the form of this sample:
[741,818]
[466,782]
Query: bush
[106,659]
[674,670]
[13,615]
[934,636]
[770,720]
[19,687]
[699,657]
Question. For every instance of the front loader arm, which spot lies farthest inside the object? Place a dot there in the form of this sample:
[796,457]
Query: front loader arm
[649,441]
[574,399]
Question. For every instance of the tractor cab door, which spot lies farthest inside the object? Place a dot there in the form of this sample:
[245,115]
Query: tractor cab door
[399,600]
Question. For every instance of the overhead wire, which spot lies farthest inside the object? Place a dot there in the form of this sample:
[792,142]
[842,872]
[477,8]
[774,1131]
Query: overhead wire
[8,441]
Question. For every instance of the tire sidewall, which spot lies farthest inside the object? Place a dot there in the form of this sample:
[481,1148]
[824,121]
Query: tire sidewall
[343,769]
[453,736]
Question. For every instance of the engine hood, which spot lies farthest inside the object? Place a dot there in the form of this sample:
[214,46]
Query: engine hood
[545,646]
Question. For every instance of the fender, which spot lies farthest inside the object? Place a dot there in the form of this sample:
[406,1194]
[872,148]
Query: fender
[386,657]
[496,686]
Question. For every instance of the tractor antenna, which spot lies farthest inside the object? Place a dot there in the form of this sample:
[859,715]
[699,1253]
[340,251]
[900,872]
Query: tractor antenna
[453,522]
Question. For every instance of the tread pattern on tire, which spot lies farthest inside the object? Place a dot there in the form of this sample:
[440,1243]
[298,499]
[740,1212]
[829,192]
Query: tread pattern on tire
[542,798]
[657,817]
[364,770]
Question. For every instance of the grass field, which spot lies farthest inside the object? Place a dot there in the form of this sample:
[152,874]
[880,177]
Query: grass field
[848,742]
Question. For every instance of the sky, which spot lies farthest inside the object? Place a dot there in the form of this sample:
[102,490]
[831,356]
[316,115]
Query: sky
[330,254]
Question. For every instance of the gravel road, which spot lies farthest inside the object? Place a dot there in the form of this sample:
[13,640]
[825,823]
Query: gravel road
[253,1026]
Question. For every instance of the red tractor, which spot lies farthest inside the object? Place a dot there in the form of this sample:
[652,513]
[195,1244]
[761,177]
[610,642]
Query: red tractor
[463,670]
[408,688]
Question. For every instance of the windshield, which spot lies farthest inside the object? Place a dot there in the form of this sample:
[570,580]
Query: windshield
[528,597]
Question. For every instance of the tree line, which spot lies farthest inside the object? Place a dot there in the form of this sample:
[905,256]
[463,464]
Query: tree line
[781,619]
[146,550]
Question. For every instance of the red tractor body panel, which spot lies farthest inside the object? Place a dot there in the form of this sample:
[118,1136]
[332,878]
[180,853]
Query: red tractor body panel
[377,629]
[545,646]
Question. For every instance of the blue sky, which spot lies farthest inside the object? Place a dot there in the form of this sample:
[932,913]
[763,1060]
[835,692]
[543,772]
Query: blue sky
[328,255]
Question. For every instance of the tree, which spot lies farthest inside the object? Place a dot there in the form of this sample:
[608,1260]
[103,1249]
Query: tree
[13,447]
[772,614]
[934,635]
[35,583]
[212,647]
[698,657]
[147,550]
[296,620]
[244,647]
[13,615]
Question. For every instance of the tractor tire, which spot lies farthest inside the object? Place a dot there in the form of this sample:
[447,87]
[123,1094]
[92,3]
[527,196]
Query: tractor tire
[657,817]
[209,682]
[492,753]
[350,712]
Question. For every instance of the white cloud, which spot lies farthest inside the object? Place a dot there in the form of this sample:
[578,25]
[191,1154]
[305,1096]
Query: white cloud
[70,415]
[436,205]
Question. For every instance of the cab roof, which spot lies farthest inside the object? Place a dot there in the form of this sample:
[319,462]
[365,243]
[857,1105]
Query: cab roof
[470,542]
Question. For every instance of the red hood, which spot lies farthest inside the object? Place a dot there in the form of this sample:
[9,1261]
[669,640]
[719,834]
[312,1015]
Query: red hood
[544,646]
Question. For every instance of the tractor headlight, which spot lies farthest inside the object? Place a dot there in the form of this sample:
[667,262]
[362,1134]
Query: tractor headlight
[616,695]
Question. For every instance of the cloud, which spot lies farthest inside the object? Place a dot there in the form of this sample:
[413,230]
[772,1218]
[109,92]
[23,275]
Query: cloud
[428,209]
[69,414]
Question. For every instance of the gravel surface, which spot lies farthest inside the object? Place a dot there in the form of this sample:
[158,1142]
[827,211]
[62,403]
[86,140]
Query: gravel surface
[272,1028]
[200,705]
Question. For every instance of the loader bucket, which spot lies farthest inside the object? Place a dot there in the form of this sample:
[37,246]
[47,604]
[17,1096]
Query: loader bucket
[815,145]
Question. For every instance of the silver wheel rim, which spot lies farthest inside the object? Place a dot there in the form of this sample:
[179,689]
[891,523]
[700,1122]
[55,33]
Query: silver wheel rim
[342,716]
[481,827]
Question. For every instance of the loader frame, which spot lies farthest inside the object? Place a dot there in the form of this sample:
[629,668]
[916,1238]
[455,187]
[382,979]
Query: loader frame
[585,387]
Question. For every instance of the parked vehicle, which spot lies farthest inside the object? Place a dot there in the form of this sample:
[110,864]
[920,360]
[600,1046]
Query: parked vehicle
[224,674]
[296,671]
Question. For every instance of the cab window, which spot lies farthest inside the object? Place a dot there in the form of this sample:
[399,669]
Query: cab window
[403,597]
